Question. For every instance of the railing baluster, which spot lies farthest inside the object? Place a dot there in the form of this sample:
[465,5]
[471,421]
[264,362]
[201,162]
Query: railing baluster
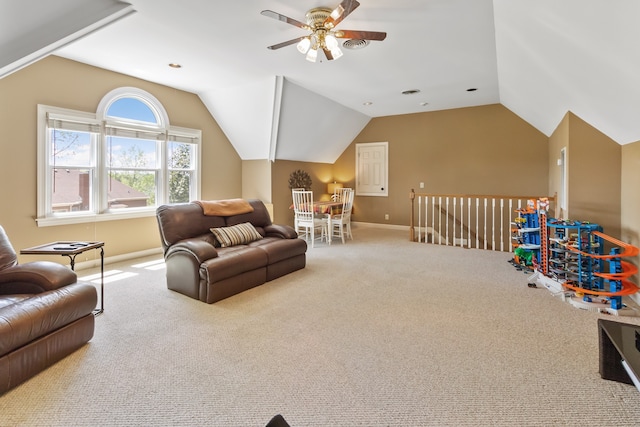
[455,205]
[502,225]
[426,219]
[485,222]
[469,217]
[419,218]
[447,221]
[440,220]
[433,218]
[493,224]
[477,216]
[511,225]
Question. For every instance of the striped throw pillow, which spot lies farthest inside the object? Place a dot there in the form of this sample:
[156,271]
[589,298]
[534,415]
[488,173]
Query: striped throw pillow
[236,234]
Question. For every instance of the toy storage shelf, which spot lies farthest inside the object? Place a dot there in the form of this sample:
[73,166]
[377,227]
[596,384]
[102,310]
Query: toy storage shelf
[567,264]
[526,230]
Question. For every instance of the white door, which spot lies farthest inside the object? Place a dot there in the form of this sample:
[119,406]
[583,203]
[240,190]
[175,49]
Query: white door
[371,169]
[564,185]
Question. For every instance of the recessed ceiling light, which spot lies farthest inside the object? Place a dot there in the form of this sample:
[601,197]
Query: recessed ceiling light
[472,89]
[174,65]
[367,103]
[424,104]
[410,91]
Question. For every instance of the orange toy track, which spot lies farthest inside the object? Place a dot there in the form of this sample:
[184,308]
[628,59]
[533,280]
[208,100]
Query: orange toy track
[629,250]
[628,288]
[628,269]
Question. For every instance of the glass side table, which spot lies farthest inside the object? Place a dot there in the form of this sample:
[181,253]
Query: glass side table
[71,249]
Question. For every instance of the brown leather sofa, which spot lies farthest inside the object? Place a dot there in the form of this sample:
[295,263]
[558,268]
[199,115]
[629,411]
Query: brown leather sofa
[45,315]
[198,267]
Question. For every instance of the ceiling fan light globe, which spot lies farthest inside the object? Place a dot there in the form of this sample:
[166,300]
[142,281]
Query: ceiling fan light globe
[331,42]
[336,53]
[335,14]
[312,55]
[304,45]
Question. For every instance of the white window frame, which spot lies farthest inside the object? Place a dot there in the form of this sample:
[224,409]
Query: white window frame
[101,212]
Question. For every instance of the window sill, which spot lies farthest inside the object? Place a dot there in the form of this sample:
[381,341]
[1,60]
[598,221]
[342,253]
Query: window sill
[80,219]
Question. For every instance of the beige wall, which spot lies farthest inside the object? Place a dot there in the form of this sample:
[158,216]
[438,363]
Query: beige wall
[256,180]
[558,140]
[630,196]
[62,83]
[595,163]
[479,150]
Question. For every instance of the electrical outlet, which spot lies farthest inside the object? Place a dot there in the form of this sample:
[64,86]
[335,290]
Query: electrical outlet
[422,185]
[386,217]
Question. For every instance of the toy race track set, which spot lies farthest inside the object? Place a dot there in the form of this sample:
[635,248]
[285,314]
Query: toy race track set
[567,258]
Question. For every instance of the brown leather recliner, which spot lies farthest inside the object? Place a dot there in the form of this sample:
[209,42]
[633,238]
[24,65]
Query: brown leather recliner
[45,315]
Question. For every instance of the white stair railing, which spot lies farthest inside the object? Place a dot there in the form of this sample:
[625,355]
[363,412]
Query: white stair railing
[466,220]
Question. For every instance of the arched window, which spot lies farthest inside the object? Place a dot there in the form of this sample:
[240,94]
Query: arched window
[122,161]
[133,109]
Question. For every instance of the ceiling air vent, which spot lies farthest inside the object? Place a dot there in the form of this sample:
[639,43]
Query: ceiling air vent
[355,44]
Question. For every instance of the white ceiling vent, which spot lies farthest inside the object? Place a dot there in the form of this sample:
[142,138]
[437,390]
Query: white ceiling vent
[355,44]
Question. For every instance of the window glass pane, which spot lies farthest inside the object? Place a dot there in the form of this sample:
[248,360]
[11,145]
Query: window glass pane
[179,186]
[132,109]
[132,153]
[180,155]
[131,189]
[70,148]
[71,190]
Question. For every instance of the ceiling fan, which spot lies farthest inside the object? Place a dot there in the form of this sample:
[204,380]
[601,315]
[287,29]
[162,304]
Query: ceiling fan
[321,21]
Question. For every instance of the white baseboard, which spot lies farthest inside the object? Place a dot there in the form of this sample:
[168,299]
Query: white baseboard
[378,225]
[117,258]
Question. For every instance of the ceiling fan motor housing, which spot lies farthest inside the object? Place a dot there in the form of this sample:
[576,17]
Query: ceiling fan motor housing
[316,17]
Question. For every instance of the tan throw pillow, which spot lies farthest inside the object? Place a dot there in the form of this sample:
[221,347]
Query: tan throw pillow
[236,234]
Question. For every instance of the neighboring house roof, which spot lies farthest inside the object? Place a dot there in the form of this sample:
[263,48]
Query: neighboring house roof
[67,189]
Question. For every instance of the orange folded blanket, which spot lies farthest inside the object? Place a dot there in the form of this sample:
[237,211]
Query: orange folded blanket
[225,207]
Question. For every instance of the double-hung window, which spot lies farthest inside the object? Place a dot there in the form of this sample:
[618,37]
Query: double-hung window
[121,162]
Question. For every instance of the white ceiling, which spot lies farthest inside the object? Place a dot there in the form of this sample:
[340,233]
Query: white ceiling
[539,58]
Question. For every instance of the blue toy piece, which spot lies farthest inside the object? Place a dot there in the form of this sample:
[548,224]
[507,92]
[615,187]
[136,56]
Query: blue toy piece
[615,266]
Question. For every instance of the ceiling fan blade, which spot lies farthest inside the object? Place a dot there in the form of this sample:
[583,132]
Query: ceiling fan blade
[287,43]
[360,35]
[328,54]
[275,15]
[339,13]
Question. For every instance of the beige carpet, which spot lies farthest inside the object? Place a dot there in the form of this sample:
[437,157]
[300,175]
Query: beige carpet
[377,332]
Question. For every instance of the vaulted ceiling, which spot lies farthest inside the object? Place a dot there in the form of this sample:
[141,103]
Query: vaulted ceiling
[539,58]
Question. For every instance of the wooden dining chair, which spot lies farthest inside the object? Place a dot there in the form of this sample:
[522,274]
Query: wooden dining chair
[306,221]
[341,222]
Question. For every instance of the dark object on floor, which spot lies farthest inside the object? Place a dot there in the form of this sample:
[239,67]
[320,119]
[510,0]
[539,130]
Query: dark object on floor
[619,358]
[46,315]
[277,421]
